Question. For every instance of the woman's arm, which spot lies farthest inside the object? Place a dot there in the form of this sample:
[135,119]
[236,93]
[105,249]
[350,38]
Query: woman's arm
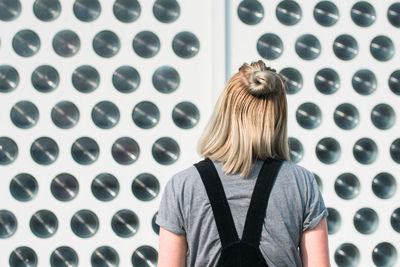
[172,249]
[314,246]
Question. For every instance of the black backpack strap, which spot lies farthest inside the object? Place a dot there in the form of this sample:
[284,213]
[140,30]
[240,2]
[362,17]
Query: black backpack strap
[259,200]
[216,194]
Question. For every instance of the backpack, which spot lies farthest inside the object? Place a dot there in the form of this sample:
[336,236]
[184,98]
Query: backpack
[236,252]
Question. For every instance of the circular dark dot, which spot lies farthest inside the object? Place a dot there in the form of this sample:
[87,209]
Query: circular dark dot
[347,254]
[364,82]
[146,115]
[106,44]
[8,150]
[384,254]
[394,82]
[366,221]
[382,48]
[105,115]
[393,14]
[185,115]
[326,13]
[87,10]
[85,79]
[64,187]
[395,220]
[154,225]
[347,186]
[23,256]
[166,79]
[383,116]
[43,223]
[145,187]
[365,151]
[165,151]
[45,78]
[250,12]
[125,223]
[270,46]
[127,10]
[166,11]
[105,256]
[294,80]
[296,150]
[9,78]
[65,114]
[85,150]
[146,44]
[8,224]
[384,185]
[126,79]
[394,150]
[308,47]
[328,150]
[44,151]
[105,187]
[24,114]
[47,10]
[9,9]
[327,81]
[288,12]
[346,116]
[66,43]
[64,256]
[334,221]
[185,44]
[319,182]
[308,115]
[84,223]
[144,256]
[24,187]
[125,150]
[363,14]
[26,43]
[345,47]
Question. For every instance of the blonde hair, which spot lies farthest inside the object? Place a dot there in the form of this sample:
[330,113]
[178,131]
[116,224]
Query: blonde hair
[249,120]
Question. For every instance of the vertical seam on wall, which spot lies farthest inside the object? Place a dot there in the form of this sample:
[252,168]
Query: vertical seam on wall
[218,57]
[227,39]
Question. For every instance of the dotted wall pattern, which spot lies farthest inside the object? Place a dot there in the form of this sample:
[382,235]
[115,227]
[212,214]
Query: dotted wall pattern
[95,94]
[99,104]
[341,59]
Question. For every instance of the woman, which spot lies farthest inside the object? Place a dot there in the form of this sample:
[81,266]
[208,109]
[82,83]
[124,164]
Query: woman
[247,130]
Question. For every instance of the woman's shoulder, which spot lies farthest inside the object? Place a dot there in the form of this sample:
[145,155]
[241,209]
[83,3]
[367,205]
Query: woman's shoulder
[295,169]
[293,173]
[187,176]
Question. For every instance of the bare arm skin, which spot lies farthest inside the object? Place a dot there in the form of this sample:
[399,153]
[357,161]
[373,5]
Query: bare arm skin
[314,246]
[172,249]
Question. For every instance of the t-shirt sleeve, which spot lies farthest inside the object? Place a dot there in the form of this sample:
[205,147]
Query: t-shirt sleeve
[170,214]
[315,209]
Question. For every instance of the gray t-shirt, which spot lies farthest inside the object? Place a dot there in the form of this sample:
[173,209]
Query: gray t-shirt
[295,205]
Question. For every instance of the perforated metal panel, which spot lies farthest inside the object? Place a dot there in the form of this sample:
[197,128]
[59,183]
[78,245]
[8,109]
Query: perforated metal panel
[341,59]
[102,101]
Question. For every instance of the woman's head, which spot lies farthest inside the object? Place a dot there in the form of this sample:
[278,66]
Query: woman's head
[249,120]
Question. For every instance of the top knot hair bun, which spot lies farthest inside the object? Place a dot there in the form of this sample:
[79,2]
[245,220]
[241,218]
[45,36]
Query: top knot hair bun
[264,82]
[260,80]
